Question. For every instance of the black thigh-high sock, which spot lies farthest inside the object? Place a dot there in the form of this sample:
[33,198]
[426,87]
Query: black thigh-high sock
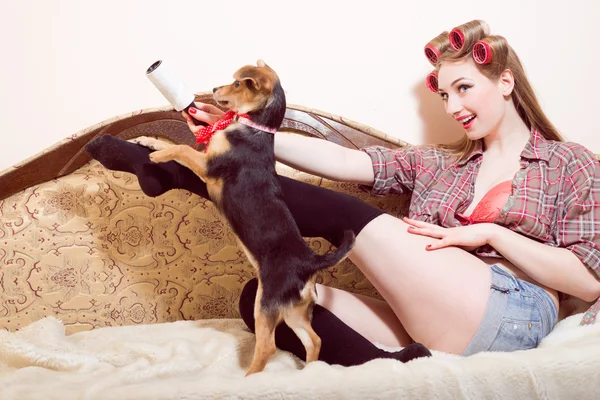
[154,179]
[318,212]
[340,344]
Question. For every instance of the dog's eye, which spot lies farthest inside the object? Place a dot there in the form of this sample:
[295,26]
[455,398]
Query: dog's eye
[236,83]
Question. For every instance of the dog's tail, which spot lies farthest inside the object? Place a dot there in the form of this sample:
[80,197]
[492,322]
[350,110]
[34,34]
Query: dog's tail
[337,256]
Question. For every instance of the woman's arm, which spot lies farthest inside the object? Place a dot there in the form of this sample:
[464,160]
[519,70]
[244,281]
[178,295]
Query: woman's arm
[323,158]
[316,156]
[573,265]
[554,267]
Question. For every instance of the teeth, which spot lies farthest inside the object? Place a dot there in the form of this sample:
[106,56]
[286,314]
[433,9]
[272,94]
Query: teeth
[466,120]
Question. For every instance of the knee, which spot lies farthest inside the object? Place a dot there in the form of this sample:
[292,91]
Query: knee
[246,304]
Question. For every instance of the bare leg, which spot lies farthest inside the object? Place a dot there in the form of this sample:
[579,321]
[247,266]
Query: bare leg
[439,296]
[372,318]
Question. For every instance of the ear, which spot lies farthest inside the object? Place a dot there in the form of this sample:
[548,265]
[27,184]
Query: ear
[260,63]
[252,81]
[254,75]
[506,82]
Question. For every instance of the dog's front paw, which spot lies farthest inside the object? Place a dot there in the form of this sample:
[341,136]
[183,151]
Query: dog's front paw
[162,156]
[151,143]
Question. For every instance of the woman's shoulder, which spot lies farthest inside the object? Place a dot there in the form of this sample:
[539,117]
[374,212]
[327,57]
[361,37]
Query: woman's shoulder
[570,153]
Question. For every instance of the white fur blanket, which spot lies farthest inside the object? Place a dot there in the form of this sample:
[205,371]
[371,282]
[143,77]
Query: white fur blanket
[208,359]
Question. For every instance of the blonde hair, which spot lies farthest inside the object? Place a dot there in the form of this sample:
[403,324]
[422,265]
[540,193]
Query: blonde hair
[441,49]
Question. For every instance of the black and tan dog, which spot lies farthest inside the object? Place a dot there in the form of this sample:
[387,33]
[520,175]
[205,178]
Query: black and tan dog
[238,167]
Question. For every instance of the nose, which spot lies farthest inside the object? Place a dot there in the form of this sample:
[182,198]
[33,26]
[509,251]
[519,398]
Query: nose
[453,105]
[215,89]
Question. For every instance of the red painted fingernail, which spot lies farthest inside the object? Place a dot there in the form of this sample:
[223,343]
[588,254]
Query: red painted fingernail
[192,110]
[428,246]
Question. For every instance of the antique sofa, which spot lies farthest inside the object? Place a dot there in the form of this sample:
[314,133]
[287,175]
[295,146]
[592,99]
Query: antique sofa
[108,293]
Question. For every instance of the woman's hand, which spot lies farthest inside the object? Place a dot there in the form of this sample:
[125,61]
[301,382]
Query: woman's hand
[468,237]
[206,113]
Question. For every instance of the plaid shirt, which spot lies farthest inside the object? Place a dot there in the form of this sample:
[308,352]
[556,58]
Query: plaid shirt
[555,195]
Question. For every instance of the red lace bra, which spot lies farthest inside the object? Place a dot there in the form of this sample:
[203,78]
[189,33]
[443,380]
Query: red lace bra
[490,205]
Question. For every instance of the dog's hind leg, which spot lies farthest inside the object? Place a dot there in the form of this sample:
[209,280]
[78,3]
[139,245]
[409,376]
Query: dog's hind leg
[265,324]
[299,321]
[298,318]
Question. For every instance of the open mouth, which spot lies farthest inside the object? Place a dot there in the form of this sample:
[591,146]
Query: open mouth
[468,122]
[223,103]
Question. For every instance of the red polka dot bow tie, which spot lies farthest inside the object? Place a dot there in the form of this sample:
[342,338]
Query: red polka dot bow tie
[205,134]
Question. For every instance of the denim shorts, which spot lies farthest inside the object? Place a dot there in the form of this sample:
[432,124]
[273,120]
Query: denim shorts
[519,315]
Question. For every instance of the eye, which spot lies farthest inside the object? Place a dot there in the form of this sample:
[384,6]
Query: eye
[464,88]
[236,84]
[444,96]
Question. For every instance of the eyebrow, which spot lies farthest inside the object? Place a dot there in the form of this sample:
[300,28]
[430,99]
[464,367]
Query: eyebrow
[453,83]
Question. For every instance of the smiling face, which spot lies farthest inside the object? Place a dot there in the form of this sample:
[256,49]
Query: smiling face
[477,103]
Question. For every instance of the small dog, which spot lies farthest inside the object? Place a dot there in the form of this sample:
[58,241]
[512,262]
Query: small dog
[238,166]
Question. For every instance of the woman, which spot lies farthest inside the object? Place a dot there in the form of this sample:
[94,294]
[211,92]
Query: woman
[500,223]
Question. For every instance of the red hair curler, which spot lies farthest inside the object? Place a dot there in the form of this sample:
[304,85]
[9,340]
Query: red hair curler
[482,52]
[432,54]
[456,38]
[432,82]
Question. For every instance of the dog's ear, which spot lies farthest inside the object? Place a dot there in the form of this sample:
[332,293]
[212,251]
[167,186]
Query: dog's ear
[253,76]
[260,63]
[251,81]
